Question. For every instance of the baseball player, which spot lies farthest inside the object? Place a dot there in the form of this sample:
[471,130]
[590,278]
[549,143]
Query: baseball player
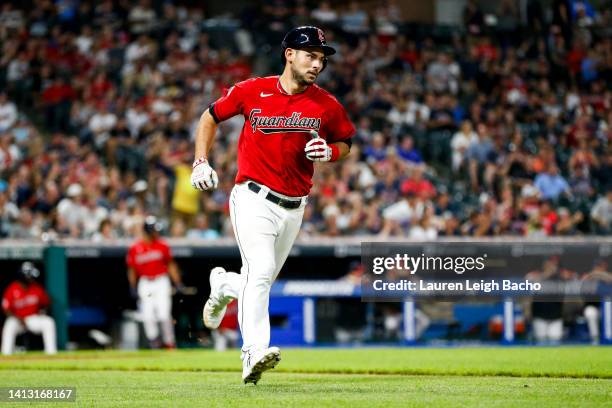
[150,268]
[24,301]
[290,123]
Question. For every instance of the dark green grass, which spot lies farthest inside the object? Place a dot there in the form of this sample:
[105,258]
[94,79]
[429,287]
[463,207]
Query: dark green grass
[221,389]
[372,377]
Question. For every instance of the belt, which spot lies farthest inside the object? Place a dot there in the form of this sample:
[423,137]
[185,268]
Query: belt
[280,201]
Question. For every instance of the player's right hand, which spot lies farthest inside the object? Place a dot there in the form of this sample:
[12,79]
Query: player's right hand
[203,177]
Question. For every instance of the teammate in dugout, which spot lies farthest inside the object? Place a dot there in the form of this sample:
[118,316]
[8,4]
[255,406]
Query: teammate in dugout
[150,262]
[289,123]
[24,302]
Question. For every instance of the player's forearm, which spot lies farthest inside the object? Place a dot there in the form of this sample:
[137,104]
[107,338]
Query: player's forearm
[175,276]
[205,134]
[132,279]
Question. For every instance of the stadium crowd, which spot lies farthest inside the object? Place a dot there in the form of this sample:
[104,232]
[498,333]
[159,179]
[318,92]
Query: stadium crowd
[501,126]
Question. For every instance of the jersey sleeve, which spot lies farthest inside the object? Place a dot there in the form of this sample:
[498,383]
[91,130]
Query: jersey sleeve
[231,103]
[340,127]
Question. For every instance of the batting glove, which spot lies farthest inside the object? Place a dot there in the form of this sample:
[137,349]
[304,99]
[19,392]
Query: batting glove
[317,150]
[203,177]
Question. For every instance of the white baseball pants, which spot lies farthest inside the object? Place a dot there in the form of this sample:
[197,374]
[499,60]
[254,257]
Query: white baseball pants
[591,314]
[38,324]
[548,331]
[265,233]
[156,306]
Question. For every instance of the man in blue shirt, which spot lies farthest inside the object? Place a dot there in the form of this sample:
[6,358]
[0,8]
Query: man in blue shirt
[408,152]
[551,184]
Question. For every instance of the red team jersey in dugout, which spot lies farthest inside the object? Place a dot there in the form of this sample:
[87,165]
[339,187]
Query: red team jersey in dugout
[23,301]
[149,259]
[276,129]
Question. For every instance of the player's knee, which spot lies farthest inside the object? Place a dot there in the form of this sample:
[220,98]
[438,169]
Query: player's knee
[262,281]
[164,315]
[262,269]
[10,325]
[48,324]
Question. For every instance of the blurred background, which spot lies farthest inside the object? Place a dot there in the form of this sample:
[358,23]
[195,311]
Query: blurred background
[475,119]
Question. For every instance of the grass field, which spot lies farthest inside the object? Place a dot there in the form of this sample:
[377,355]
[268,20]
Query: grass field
[368,377]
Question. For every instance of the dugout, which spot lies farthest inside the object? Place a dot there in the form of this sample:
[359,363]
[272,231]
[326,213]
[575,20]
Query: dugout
[89,288]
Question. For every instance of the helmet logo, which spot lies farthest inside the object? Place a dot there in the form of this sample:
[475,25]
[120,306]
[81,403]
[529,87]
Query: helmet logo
[321,36]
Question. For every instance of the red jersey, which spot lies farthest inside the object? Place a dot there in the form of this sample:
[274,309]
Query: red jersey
[149,259]
[275,132]
[24,300]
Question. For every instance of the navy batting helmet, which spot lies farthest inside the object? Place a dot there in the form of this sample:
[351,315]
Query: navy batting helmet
[305,37]
[151,225]
[29,271]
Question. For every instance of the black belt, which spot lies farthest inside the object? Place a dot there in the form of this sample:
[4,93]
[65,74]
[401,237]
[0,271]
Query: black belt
[283,202]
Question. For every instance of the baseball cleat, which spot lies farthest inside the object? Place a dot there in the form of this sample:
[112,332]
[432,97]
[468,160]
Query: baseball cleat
[215,306]
[253,365]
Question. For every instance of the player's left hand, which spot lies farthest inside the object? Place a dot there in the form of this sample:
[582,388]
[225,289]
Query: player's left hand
[317,150]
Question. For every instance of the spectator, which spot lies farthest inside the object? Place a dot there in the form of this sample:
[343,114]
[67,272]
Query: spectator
[324,13]
[408,152]
[9,212]
[418,185]
[8,113]
[443,74]
[201,229]
[355,19]
[460,142]
[26,227]
[10,154]
[551,184]
[481,155]
[424,230]
[568,223]
[142,18]
[601,214]
[70,211]
[534,99]
[377,151]
[57,99]
[101,124]
[548,218]
[402,214]
[105,233]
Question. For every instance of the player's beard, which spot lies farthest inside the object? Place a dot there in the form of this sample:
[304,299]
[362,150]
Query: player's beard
[301,79]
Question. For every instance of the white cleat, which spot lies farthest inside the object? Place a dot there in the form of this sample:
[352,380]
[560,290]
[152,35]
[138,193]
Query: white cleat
[215,306]
[253,365]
